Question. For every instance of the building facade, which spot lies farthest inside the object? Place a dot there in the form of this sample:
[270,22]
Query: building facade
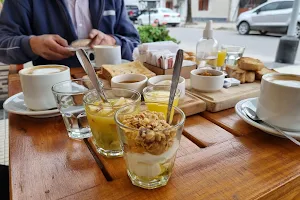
[202,10]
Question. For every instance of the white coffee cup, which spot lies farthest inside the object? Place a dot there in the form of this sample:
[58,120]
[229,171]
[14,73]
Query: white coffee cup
[279,101]
[106,54]
[130,81]
[36,84]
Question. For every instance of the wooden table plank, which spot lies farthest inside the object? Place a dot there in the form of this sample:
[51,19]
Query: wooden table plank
[230,121]
[238,168]
[203,132]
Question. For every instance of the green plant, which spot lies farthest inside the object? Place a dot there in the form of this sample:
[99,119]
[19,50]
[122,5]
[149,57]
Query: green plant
[155,34]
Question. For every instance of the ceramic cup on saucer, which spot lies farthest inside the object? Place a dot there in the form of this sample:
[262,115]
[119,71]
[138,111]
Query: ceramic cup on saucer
[130,81]
[36,84]
[107,54]
[279,101]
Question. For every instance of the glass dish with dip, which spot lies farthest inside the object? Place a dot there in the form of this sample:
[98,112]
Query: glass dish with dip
[157,98]
[100,117]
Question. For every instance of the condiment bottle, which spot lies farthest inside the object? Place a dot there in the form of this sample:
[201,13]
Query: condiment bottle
[207,48]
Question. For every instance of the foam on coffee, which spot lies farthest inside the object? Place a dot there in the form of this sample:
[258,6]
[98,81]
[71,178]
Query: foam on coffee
[44,70]
[288,80]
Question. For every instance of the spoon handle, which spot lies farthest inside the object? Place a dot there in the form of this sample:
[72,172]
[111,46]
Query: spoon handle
[89,69]
[284,133]
[175,79]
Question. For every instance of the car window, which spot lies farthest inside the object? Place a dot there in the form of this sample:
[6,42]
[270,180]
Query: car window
[166,10]
[154,11]
[270,6]
[285,5]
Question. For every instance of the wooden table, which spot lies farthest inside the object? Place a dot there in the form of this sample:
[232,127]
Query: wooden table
[220,157]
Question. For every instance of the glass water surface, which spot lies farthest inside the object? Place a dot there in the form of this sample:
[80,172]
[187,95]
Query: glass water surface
[69,99]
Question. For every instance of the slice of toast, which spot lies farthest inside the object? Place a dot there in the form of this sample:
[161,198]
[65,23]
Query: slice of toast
[136,67]
[263,71]
[250,64]
[250,77]
[235,72]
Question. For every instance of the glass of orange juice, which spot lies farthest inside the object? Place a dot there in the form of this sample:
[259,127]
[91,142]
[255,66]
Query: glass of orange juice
[221,59]
[157,98]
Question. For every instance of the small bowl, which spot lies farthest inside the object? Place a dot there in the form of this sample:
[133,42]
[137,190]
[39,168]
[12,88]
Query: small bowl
[207,83]
[156,79]
[130,81]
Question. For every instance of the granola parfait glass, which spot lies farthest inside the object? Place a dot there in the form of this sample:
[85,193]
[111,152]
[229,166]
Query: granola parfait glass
[157,98]
[100,117]
[149,143]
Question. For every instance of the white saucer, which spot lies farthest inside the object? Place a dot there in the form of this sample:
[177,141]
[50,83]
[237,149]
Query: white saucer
[15,104]
[252,103]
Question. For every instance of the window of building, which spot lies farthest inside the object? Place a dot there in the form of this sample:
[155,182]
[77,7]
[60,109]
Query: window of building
[203,4]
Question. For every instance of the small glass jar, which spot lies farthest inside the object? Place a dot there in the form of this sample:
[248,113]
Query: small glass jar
[101,118]
[149,143]
[157,98]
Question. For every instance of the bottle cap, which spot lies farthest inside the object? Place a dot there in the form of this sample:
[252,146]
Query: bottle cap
[208,32]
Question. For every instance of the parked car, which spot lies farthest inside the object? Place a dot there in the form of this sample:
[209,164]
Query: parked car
[133,12]
[272,16]
[161,16]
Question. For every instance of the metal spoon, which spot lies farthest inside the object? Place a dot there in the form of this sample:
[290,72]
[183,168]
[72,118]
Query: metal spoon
[175,80]
[89,69]
[252,115]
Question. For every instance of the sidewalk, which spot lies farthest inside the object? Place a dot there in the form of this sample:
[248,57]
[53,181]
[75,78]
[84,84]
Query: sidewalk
[216,25]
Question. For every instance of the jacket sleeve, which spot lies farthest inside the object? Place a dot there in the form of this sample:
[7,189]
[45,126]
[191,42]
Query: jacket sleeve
[15,32]
[126,34]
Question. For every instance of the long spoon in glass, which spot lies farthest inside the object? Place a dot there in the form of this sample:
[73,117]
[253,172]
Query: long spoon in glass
[89,69]
[175,80]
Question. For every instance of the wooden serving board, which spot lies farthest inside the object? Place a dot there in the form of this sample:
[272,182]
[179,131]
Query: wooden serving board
[190,105]
[226,98]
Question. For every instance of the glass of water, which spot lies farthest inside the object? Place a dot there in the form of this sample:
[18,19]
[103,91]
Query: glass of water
[69,98]
[233,53]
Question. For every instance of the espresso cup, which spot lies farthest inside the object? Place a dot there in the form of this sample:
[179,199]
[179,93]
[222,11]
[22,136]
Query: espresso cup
[279,101]
[107,54]
[36,84]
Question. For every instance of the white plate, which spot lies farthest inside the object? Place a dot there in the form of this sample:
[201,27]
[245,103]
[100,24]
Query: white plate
[15,104]
[252,103]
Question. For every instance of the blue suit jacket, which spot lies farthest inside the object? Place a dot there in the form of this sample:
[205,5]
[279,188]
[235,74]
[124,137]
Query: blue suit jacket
[22,18]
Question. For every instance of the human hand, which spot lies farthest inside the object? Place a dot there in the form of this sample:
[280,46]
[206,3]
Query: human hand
[50,47]
[99,38]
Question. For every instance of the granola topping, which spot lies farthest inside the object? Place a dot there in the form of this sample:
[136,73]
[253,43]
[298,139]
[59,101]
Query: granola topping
[153,135]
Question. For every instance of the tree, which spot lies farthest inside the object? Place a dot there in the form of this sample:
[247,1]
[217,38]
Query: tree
[189,19]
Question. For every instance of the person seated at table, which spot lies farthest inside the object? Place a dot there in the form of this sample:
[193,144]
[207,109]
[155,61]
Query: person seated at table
[40,31]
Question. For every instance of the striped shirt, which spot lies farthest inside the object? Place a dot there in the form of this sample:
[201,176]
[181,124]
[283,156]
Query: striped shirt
[80,14]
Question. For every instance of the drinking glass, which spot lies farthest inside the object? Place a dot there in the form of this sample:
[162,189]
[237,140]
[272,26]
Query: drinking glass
[221,59]
[149,151]
[157,98]
[233,53]
[101,118]
[69,99]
